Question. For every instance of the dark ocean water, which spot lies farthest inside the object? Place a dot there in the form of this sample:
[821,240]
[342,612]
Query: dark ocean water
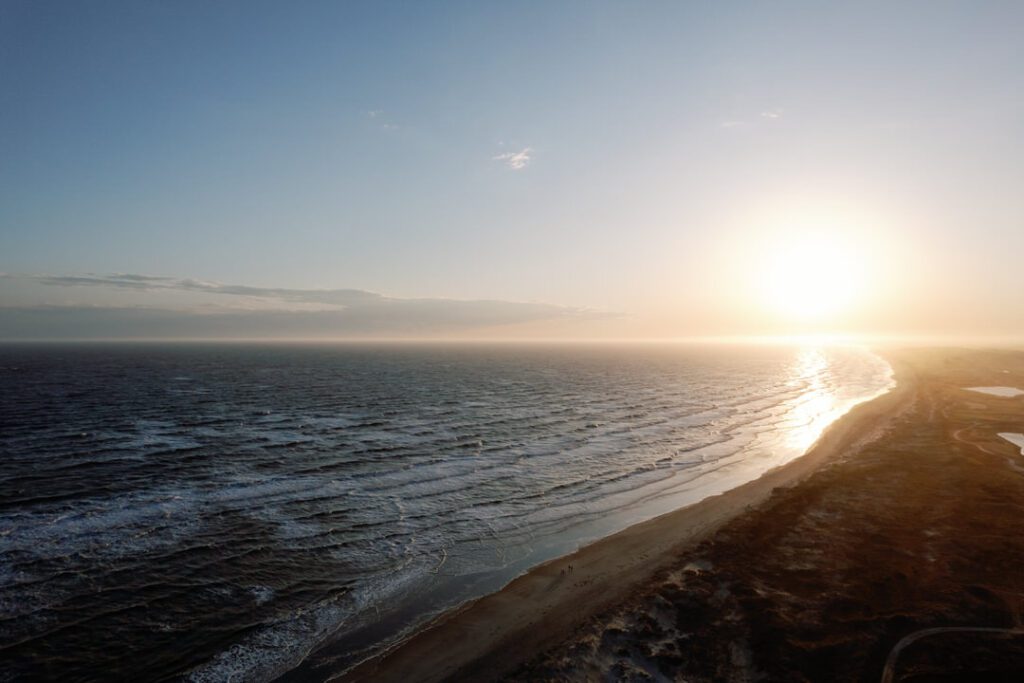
[220,512]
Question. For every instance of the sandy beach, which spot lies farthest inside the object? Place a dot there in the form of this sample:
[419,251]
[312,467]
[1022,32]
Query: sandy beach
[816,569]
[898,560]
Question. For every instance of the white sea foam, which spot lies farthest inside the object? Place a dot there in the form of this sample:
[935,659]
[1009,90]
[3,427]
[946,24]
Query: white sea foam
[271,651]
[261,594]
[104,529]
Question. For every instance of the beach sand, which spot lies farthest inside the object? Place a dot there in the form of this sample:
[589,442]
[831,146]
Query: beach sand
[907,514]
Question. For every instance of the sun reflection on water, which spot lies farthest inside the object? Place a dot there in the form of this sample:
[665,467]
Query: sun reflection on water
[816,406]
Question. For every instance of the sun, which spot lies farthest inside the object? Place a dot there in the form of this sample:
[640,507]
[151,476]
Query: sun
[812,276]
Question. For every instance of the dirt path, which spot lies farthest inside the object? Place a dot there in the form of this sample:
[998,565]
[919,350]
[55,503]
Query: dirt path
[889,672]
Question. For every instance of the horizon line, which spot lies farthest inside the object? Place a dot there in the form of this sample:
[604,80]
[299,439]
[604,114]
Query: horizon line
[818,339]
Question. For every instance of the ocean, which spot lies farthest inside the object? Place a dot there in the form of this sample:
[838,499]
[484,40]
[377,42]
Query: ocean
[208,512]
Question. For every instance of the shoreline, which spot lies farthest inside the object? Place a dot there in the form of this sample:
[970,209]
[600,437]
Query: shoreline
[487,638]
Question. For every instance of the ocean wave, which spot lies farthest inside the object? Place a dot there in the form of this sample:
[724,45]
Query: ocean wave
[262,503]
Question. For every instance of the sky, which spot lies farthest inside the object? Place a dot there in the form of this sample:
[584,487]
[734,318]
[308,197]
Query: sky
[523,170]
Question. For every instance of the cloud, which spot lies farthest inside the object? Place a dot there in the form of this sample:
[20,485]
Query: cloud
[342,313]
[334,297]
[752,122]
[517,161]
[377,115]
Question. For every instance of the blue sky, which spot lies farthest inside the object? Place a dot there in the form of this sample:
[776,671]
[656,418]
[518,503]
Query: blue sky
[604,157]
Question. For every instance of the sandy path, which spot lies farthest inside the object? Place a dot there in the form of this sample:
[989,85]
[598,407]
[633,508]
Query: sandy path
[889,672]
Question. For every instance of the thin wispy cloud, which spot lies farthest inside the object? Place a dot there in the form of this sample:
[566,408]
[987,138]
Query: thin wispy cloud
[763,117]
[377,115]
[517,161]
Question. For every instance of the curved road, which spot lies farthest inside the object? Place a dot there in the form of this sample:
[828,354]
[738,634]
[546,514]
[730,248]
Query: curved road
[888,672]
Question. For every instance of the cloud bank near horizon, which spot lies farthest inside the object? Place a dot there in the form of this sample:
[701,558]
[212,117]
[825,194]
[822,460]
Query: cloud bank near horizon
[330,297]
[283,312]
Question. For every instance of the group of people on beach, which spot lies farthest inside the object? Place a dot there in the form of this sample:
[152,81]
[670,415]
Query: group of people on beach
[567,571]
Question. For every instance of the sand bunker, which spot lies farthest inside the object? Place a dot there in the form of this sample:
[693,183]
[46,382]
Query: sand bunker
[1005,392]
[1015,439]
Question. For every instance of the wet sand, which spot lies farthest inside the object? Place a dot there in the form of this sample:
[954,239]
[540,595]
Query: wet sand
[671,582]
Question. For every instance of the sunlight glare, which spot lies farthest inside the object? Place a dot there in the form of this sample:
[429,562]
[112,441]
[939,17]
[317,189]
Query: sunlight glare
[812,276]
